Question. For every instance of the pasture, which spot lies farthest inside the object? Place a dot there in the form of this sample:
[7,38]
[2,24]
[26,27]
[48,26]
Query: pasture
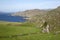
[23,31]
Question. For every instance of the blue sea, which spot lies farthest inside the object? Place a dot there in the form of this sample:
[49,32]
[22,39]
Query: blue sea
[9,18]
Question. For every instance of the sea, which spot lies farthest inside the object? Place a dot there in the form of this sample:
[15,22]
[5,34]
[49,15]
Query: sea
[7,17]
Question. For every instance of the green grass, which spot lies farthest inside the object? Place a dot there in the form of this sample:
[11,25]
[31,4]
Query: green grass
[13,30]
[9,30]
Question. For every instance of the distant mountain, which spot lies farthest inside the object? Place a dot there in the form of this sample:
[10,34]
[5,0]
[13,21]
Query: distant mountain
[29,13]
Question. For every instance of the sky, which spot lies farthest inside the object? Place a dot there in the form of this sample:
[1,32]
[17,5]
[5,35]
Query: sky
[21,5]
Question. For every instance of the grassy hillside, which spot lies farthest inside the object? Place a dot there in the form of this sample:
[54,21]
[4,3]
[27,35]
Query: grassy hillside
[52,18]
[31,30]
[24,32]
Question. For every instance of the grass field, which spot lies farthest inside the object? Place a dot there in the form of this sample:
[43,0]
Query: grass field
[13,31]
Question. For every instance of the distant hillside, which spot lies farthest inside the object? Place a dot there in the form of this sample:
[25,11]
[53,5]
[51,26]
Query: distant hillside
[52,17]
[29,13]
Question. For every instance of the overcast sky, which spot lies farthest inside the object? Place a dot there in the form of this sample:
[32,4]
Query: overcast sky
[21,5]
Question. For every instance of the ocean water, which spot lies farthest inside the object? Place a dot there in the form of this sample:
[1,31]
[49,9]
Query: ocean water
[9,18]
